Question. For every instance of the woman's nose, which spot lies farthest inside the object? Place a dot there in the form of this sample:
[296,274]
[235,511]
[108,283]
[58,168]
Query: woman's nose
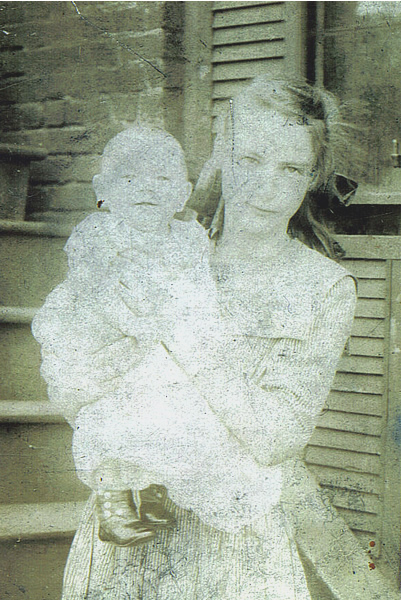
[267,178]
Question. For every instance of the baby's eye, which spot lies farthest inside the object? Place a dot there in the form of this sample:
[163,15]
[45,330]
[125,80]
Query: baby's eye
[248,160]
[162,178]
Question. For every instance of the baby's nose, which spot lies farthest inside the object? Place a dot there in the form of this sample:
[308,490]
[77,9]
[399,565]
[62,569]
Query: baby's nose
[145,185]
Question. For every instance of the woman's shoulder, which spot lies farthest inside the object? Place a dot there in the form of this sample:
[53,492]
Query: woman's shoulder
[302,287]
[318,270]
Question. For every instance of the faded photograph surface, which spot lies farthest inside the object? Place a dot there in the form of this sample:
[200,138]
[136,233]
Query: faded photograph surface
[200,305]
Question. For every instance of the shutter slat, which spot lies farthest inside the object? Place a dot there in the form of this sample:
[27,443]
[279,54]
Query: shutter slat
[345,440]
[371,309]
[363,327]
[361,364]
[364,384]
[266,13]
[350,480]
[228,89]
[343,459]
[372,288]
[251,33]
[243,52]
[233,5]
[360,521]
[366,404]
[357,423]
[361,346]
[351,500]
[248,69]
[370,269]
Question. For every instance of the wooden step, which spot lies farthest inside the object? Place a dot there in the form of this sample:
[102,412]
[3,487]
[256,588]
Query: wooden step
[22,315]
[20,362]
[29,412]
[33,569]
[44,520]
[37,464]
[33,266]
[29,228]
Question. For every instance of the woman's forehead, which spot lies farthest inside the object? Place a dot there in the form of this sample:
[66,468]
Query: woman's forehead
[263,131]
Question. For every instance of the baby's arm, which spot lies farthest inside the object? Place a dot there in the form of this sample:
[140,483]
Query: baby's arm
[157,427]
[89,336]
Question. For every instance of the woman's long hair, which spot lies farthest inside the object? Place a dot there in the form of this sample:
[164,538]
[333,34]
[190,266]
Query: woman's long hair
[310,106]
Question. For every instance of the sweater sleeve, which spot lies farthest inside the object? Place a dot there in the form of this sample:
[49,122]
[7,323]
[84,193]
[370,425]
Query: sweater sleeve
[301,373]
[273,408]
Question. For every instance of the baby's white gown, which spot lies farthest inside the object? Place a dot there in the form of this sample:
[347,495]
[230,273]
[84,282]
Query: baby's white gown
[240,525]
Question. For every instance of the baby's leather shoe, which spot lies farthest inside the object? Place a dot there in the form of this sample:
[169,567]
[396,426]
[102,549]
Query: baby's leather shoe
[119,522]
[152,509]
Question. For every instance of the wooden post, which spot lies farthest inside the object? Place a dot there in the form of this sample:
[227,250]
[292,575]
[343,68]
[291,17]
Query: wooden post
[391,532]
[197,117]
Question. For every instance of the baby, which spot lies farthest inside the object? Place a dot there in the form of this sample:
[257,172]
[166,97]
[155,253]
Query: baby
[124,292]
[130,341]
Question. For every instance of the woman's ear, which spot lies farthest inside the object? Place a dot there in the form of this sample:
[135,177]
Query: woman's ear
[314,180]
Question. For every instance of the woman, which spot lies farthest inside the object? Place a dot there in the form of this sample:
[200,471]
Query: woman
[287,311]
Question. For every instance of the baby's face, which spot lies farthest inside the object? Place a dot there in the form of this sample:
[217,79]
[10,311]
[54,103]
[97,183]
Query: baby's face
[146,184]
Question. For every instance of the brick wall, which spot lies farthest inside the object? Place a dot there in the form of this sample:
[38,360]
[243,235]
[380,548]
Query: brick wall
[72,75]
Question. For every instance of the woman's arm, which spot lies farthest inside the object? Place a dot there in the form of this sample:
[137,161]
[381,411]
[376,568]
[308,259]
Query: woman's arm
[273,411]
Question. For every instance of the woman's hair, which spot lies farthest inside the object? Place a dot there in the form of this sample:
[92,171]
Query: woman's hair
[318,110]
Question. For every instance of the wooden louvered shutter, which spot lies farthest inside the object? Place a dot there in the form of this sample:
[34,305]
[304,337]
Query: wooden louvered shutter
[251,38]
[350,451]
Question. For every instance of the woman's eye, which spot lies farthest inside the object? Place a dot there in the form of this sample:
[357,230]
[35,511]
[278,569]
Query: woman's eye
[162,178]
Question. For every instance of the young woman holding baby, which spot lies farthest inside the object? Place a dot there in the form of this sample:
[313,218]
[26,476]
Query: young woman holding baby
[244,394]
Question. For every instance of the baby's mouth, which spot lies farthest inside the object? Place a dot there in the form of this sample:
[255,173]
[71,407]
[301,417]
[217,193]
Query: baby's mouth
[260,209]
[145,204]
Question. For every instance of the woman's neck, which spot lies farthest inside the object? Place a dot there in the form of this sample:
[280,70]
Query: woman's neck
[244,242]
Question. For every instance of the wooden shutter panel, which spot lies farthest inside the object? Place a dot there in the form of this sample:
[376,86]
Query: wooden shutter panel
[347,451]
[252,38]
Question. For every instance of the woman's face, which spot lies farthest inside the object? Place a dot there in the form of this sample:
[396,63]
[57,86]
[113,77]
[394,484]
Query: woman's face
[268,169]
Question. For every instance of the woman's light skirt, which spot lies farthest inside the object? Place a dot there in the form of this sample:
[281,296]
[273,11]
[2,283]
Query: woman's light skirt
[191,562]
[197,562]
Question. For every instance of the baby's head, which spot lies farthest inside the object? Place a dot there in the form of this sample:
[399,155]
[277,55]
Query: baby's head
[143,177]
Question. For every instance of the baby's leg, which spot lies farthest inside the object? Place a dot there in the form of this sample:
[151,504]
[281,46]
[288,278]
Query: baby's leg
[131,518]
[119,521]
[127,516]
